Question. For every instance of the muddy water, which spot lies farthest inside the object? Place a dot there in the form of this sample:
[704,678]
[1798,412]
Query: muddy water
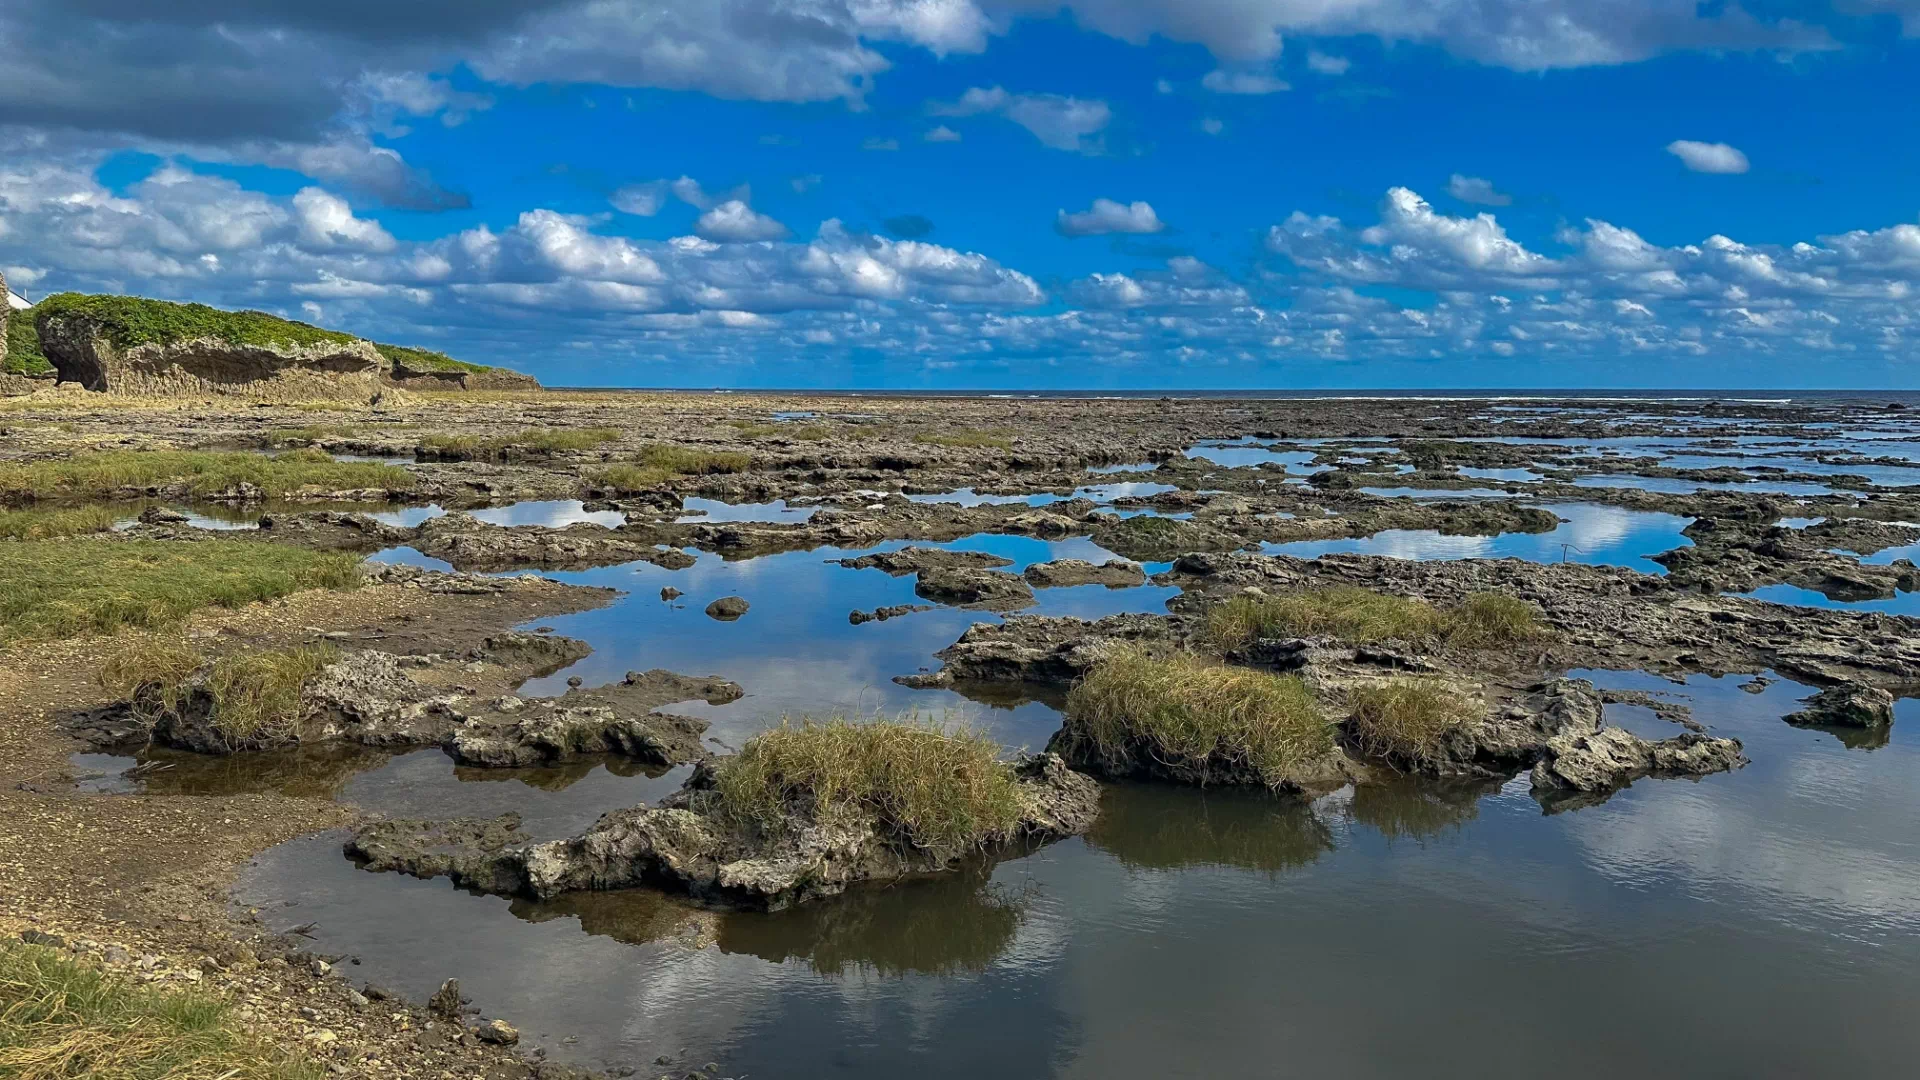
[1760,923]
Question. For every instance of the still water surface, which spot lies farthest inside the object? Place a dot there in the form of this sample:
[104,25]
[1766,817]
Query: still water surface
[1754,924]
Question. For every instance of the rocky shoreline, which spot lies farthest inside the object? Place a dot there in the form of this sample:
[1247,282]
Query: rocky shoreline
[879,482]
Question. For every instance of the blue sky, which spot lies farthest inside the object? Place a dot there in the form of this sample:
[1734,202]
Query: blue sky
[1000,193]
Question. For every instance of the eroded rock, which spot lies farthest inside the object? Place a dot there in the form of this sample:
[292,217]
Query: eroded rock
[686,843]
[1846,705]
[1114,574]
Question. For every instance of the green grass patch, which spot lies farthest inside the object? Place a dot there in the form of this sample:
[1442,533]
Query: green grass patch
[686,461]
[427,360]
[23,346]
[537,440]
[932,789]
[254,696]
[986,440]
[63,1020]
[809,433]
[1363,617]
[1196,718]
[54,524]
[52,588]
[204,471]
[128,321]
[1407,721]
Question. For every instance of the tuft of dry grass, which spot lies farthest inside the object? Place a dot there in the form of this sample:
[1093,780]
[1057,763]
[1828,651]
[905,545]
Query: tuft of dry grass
[54,589]
[64,1020]
[626,479]
[941,791]
[688,462]
[1407,721]
[1364,617]
[1198,718]
[254,697]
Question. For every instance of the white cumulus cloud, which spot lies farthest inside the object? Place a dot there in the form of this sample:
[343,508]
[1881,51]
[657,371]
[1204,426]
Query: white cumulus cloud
[1704,157]
[1107,216]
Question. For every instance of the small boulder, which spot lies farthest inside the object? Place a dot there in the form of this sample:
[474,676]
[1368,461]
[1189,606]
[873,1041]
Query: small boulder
[1846,705]
[445,1001]
[727,608]
[497,1032]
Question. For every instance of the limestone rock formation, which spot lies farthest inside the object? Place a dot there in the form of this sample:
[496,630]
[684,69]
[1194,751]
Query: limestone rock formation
[90,349]
[1846,705]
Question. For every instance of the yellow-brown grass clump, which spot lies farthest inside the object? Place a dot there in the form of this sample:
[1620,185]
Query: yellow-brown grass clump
[1364,617]
[1183,718]
[943,792]
[1407,721]
[252,698]
[61,1019]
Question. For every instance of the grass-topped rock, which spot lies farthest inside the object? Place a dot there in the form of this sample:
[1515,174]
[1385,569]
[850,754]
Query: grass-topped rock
[425,369]
[133,345]
[1188,720]
[261,699]
[802,811]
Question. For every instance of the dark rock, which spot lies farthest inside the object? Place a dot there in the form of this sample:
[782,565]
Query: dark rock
[1041,649]
[884,613]
[915,560]
[40,937]
[670,593]
[445,1002]
[727,608]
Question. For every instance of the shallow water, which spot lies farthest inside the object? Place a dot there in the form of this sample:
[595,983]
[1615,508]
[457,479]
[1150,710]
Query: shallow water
[1726,927]
[794,651]
[1905,603]
[554,513]
[1591,533]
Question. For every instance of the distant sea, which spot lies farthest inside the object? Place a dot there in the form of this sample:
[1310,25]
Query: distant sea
[1909,397]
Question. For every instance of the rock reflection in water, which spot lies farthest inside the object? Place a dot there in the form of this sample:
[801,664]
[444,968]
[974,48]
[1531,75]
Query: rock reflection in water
[1418,810]
[1153,827]
[313,772]
[954,924]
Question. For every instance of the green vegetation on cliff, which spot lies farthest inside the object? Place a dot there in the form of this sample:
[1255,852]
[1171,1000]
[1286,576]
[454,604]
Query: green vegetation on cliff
[23,347]
[133,320]
[428,360]
[62,588]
